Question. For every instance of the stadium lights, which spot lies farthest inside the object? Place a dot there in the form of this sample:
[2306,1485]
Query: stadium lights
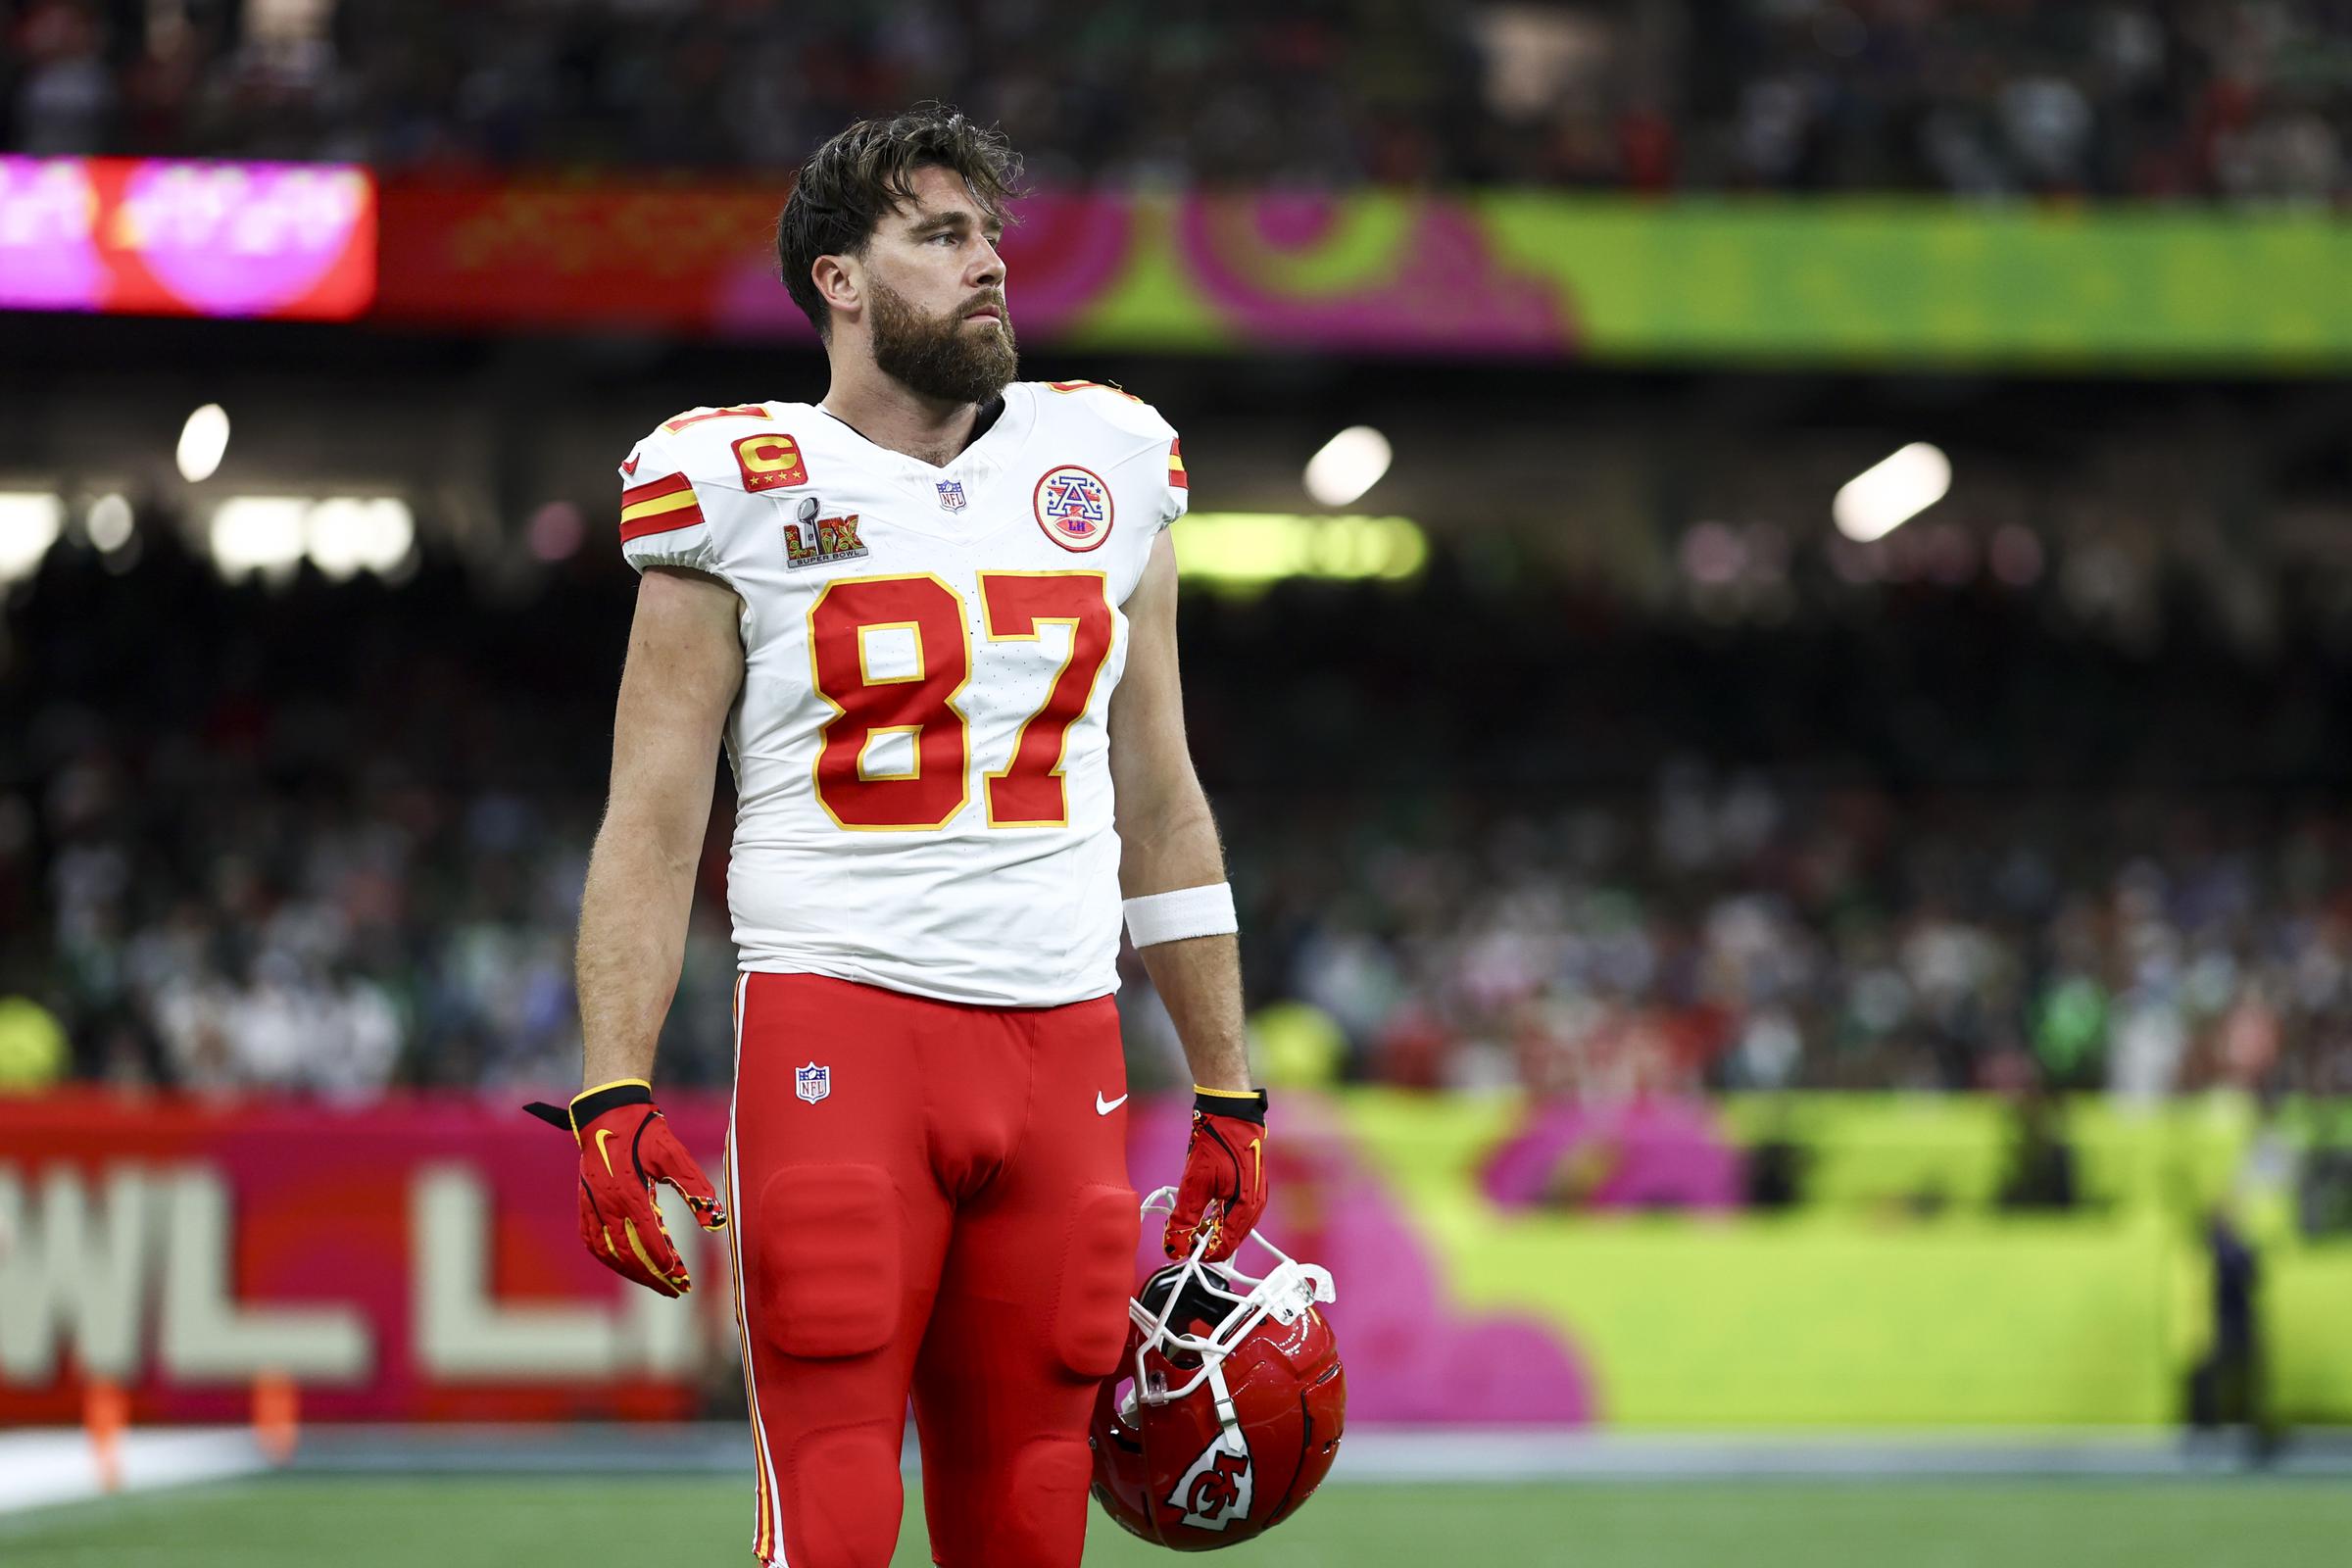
[1251,549]
[110,522]
[1349,464]
[258,533]
[346,535]
[203,442]
[29,523]
[342,535]
[1890,492]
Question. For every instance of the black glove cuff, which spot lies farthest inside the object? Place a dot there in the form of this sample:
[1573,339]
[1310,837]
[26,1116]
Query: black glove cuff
[587,1108]
[1250,1107]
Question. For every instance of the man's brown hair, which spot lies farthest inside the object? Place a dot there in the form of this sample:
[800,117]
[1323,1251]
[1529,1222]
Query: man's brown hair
[851,181]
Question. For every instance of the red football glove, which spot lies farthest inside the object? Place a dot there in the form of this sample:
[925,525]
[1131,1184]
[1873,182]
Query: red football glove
[1224,1164]
[625,1147]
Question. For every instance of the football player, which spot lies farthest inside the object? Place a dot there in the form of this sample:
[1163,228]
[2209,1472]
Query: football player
[933,618]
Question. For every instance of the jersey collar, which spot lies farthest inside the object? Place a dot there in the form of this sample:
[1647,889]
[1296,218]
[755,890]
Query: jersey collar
[994,435]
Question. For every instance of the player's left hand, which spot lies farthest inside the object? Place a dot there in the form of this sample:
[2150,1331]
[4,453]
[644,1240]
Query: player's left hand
[626,1148]
[1225,1165]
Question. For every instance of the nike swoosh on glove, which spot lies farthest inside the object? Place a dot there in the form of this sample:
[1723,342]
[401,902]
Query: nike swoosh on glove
[625,1147]
[1224,1164]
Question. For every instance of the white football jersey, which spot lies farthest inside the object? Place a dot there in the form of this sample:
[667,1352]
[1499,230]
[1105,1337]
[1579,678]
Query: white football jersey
[920,748]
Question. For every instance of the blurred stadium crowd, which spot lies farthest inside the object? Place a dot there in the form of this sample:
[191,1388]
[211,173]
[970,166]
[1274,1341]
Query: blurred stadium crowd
[2212,98]
[1627,850]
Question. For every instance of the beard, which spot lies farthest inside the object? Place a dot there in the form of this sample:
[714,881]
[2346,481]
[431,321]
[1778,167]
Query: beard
[934,357]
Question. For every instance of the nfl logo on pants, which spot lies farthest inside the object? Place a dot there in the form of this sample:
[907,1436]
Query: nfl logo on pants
[812,1083]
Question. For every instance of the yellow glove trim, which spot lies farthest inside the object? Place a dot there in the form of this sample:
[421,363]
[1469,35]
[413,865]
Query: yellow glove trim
[598,1089]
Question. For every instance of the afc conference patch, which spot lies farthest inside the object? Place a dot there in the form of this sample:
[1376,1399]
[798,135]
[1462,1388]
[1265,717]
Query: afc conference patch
[1074,506]
[950,494]
[812,1083]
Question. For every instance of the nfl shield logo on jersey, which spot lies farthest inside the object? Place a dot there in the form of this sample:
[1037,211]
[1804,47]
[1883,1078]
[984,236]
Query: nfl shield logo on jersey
[812,1083]
[950,494]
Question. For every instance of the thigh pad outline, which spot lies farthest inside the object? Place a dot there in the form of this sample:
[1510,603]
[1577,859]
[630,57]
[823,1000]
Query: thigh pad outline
[825,1267]
[1098,1275]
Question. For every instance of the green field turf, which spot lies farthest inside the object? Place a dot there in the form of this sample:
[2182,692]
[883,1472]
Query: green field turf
[505,1522]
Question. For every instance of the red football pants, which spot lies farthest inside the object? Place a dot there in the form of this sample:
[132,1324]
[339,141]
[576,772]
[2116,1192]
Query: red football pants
[928,1198]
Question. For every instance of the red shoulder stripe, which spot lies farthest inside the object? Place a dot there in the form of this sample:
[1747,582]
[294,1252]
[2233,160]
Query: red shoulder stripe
[653,489]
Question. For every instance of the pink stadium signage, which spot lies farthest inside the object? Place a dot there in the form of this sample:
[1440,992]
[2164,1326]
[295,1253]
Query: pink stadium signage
[418,1259]
[162,237]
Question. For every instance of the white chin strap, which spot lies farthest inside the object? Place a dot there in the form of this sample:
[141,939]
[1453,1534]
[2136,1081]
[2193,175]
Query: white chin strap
[1284,1292]
[1226,1418]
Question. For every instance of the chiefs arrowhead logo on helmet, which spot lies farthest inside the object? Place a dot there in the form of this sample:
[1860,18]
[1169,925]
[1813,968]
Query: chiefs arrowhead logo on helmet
[1215,1492]
[1228,1414]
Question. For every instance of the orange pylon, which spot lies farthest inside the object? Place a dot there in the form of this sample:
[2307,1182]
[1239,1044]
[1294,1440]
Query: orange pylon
[105,1413]
[276,1416]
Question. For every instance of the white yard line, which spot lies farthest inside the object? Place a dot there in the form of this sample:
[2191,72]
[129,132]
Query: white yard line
[49,1465]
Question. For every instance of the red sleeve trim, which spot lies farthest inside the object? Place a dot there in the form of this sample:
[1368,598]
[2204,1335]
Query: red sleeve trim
[686,516]
[653,489]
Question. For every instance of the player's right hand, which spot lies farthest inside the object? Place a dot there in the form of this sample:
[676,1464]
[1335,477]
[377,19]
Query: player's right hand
[625,1147]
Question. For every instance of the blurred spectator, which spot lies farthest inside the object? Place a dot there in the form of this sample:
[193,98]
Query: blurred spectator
[1773,1170]
[2042,1158]
[2245,99]
[2227,1388]
[343,850]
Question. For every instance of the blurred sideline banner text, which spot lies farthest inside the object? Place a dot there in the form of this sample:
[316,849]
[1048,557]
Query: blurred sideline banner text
[418,1259]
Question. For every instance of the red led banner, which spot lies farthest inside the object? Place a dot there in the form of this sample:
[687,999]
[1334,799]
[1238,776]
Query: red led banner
[696,258]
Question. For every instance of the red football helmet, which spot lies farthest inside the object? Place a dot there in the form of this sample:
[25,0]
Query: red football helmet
[1230,1414]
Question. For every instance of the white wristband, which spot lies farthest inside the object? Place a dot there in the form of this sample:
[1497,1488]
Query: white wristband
[1158,918]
